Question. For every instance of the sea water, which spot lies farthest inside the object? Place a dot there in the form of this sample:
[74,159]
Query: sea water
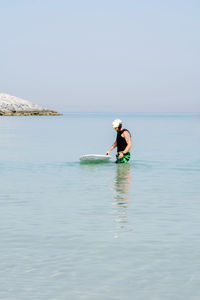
[99,231]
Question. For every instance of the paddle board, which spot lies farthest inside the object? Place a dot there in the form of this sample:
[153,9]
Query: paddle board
[95,158]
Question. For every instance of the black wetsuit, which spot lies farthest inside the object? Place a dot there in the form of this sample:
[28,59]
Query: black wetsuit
[121,146]
[121,141]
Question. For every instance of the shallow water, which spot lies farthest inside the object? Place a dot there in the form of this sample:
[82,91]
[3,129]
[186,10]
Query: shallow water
[104,231]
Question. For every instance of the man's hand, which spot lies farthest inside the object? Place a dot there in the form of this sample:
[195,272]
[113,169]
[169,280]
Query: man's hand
[120,155]
[108,152]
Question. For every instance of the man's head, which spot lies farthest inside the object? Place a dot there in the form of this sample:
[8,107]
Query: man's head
[117,124]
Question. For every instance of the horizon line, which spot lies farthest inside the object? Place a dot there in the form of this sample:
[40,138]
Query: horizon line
[117,112]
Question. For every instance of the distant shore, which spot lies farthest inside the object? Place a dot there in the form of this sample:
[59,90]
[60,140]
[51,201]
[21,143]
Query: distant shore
[15,106]
[30,113]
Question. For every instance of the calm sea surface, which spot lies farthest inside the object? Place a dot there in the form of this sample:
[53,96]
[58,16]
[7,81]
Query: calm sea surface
[100,231]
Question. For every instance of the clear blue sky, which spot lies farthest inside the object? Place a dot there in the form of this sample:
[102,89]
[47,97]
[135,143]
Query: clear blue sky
[103,55]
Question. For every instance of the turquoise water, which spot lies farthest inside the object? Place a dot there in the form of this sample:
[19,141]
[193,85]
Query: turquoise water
[106,231]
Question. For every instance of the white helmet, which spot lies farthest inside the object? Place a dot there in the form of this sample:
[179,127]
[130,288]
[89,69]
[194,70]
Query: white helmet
[116,123]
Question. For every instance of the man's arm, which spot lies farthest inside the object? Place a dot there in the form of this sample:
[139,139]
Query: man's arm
[111,148]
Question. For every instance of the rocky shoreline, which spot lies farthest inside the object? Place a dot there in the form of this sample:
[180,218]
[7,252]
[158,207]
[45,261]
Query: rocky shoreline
[14,106]
[30,113]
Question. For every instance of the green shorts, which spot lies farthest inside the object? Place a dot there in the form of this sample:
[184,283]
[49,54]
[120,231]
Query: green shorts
[124,159]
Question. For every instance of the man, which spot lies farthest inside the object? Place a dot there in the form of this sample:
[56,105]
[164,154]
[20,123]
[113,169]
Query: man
[123,142]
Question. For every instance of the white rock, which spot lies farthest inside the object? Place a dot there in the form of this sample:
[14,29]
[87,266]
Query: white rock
[12,103]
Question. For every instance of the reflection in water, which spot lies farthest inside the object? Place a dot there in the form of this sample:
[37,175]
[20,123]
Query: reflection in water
[122,185]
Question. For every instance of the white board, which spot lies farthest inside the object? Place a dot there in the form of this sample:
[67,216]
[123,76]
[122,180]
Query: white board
[95,158]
